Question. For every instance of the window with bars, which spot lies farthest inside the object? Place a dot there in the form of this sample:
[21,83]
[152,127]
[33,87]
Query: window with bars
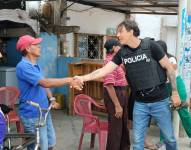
[88,46]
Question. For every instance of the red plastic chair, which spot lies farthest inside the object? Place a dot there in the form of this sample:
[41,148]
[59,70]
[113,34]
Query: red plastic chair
[9,96]
[91,123]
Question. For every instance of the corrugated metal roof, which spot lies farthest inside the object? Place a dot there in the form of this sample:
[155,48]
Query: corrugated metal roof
[162,7]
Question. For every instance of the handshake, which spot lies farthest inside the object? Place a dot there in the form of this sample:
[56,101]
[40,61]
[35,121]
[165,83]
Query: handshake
[77,82]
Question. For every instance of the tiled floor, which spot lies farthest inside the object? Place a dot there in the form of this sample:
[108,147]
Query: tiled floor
[68,129]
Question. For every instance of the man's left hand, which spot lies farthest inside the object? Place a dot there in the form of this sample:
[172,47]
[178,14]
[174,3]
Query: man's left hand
[175,99]
[55,105]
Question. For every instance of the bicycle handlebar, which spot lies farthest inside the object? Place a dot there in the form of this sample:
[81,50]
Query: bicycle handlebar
[41,121]
[38,106]
[33,104]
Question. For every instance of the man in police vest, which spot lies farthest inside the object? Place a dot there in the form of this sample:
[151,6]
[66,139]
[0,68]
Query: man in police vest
[147,68]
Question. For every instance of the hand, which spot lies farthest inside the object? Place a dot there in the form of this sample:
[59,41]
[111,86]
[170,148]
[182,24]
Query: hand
[55,105]
[118,111]
[175,99]
[77,84]
[79,78]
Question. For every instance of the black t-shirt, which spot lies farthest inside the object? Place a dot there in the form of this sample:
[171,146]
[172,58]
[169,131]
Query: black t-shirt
[157,53]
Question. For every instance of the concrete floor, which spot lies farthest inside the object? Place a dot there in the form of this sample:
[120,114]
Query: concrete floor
[68,129]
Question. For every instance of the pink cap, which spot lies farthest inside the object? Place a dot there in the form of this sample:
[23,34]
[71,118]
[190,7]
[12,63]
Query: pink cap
[27,40]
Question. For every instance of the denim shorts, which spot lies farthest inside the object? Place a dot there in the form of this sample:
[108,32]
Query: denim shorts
[47,133]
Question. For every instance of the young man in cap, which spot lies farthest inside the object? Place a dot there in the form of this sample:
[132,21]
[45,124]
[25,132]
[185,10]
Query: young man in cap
[146,69]
[34,86]
[116,99]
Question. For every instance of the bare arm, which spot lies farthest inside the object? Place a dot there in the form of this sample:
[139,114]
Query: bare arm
[49,93]
[113,96]
[165,63]
[173,62]
[99,73]
[54,103]
[56,82]
[175,66]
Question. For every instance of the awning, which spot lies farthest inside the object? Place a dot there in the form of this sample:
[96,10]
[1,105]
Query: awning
[161,7]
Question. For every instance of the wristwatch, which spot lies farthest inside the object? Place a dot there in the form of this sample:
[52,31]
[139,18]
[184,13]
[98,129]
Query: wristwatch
[52,99]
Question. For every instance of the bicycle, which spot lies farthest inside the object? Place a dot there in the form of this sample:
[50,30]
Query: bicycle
[31,138]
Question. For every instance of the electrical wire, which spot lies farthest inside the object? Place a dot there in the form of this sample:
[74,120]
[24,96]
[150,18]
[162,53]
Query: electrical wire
[82,10]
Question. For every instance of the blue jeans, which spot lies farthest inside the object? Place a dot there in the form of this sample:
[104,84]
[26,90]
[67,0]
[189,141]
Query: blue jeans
[160,111]
[47,133]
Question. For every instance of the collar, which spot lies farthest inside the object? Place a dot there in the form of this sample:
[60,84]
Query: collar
[26,60]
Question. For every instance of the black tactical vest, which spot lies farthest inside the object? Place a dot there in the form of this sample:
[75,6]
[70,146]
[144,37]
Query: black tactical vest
[142,70]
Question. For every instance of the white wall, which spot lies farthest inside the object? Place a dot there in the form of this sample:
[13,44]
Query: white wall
[149,25]
[94,20]
[159,27]
[32,5]
[171,39]
[169,33]
[91,20]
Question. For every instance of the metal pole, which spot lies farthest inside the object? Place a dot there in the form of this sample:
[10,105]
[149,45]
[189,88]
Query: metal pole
[179,52]
[183,52]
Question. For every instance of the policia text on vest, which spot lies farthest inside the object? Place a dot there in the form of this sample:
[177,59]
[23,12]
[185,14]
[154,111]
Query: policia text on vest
[143,71]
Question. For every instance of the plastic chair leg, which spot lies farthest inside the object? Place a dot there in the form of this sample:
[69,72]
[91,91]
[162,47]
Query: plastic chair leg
[92,140]
[102,140]
[81,139]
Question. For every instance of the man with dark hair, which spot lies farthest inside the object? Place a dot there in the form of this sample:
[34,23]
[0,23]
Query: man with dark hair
[35,87]
[146,69]
[130,25]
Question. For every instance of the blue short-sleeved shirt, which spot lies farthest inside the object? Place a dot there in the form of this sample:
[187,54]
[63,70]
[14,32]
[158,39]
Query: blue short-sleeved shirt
[28,76]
